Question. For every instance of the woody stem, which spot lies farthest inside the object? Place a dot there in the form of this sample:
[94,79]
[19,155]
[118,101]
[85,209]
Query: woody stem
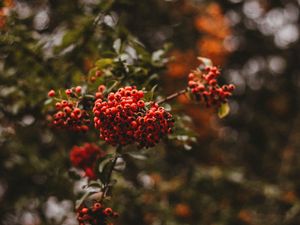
[172,96]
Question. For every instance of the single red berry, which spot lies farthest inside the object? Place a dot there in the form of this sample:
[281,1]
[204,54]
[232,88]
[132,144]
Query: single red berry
[84,210]
[101,88]
[68,91]
[51,93]
[78,89]
[191,76]
[97,206]
[77,111]
[107,211]
[98,73]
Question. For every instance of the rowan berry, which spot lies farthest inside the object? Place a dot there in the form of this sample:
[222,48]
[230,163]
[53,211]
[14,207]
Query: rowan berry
[95,216]
[68,91]
[98,73]
[51,93]
[205,89]
[78,89]
[121,119]
[107,211]
[85,157]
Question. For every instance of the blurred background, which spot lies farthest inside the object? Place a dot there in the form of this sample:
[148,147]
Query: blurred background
[240,170]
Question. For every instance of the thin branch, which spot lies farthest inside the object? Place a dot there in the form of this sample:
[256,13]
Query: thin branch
[172,96]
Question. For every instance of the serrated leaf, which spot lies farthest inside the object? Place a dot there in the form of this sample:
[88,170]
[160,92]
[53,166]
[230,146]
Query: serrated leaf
[223,110]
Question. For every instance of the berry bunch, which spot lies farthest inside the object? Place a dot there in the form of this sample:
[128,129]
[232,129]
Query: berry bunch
[68,114]
[204,87]
[124,119]
[96,215]
[70,117]
[85,157]
[154,125]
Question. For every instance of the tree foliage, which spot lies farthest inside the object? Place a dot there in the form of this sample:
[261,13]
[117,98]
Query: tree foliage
[239,171]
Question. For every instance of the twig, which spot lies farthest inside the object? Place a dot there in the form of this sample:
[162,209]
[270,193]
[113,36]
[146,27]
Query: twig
[172,96]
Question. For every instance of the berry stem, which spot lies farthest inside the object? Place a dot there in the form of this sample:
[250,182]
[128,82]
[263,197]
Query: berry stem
[172,96]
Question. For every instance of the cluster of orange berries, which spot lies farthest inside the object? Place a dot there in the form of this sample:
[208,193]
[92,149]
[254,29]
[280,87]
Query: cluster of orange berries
[69,115]
[85,157]
[204,87]
[96,215]
[124,119]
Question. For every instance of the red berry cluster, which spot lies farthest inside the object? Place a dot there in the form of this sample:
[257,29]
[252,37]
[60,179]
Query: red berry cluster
[205,89]
[69,115]
[124,119]
[96,215]
[154,125]
[85,157]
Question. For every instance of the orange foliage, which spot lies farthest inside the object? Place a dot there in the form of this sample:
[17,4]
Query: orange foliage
[212,48]
[182,210]
[182,63]
[289,197]
[2,18]
[213,22]
[245,216]
[215,28]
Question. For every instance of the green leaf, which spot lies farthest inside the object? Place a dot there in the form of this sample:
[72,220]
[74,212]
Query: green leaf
[70,38]
[103,164]
[117,45]
[223,110]
[48,101]
[73,175]
[103,63]
[149,95]
[204,62]
[81,200]
[111,85]
[137,155]
[95,184]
